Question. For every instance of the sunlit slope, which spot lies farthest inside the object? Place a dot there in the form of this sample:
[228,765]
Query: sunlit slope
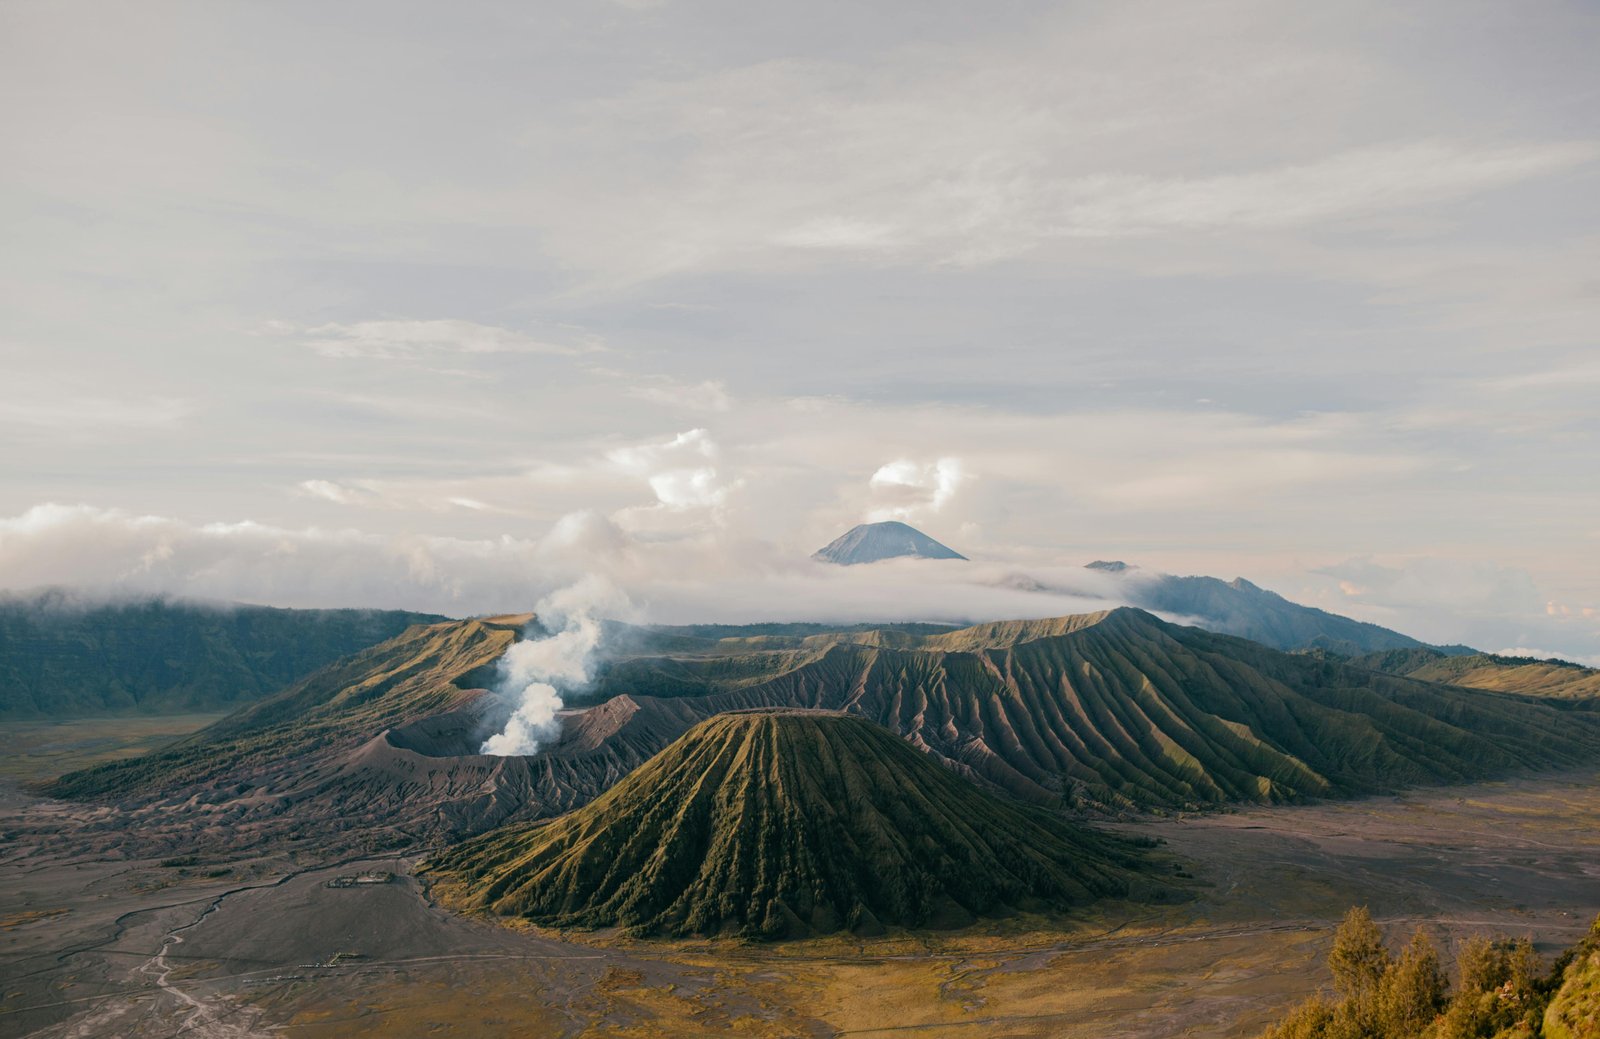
[1524,675]
[1123,709]
[782,824]
[1574,1011]
[418,674]
[1109,711]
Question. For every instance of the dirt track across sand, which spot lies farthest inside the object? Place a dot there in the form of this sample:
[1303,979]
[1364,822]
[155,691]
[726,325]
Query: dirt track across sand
[264,946]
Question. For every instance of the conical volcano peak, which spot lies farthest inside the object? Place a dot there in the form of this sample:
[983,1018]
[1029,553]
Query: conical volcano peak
[871,542]
[785,823]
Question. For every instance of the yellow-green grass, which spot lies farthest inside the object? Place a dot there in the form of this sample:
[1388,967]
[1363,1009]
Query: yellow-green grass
[34,751]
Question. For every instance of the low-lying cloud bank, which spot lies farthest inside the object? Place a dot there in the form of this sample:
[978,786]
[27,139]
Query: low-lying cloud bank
[706,577]
[708,574]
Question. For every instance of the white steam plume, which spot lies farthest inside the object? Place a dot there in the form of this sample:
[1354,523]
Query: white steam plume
[535,672]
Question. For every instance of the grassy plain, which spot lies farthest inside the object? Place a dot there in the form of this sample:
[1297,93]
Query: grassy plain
[33,751]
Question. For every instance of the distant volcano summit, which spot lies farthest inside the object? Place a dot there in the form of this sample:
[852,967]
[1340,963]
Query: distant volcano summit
[870,542]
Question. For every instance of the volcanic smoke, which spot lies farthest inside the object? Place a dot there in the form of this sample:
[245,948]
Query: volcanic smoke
[535,672]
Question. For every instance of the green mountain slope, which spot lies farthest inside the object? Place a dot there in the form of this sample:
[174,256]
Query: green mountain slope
[1109,711]
[422,673]
[1525,675]
[783,824]
[1122,709]
[61,659]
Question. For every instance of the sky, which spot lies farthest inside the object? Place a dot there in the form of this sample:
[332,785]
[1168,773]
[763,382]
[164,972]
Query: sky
[447,306]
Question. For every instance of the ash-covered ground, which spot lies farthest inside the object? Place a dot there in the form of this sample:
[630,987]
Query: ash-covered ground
[96,945]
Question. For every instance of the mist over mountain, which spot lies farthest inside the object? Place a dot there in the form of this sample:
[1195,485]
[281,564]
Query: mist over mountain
[1235,607]
[1238,607]
[64,654]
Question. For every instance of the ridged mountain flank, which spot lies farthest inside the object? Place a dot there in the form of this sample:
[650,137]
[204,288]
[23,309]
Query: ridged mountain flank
[427,672]
[1120,709]
[1109,711]
[871,542]
[775,824]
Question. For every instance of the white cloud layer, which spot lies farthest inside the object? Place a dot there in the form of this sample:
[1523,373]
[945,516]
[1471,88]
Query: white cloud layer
[700,576]
[906,490]
[681,472]
[395,340]
[709,395]
[700,579]
[675,293]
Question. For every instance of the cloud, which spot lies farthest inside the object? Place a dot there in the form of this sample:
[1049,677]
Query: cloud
[1220,478]
[681,472]
[1572,377]
[642,458]
[71,415]
[707,395]
[905,489]
[840,233]
[1467,584]
[799,472]
[339,494]
[703,578]
[1018,212]
[1026,238]
[114,550]
[704,572]
[1450,601]
[1047,141]
[688,488]
[396,340]
[586,534]
[1355,182]
[379,494]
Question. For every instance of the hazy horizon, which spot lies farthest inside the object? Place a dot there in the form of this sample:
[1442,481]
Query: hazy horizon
[447,308]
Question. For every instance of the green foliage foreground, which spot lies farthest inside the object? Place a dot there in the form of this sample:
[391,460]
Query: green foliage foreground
[1502,991]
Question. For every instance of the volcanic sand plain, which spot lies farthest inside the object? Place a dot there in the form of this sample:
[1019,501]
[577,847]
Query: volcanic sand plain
[262,945]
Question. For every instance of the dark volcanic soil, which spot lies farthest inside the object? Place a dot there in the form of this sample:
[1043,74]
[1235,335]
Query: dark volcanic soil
[257,946]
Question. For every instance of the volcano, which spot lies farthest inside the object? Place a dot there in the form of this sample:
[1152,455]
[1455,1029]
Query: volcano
[872,542]
[775,824]
[1103,712]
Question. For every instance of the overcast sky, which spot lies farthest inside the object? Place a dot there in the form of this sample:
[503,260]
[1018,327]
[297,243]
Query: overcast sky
[442,305]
